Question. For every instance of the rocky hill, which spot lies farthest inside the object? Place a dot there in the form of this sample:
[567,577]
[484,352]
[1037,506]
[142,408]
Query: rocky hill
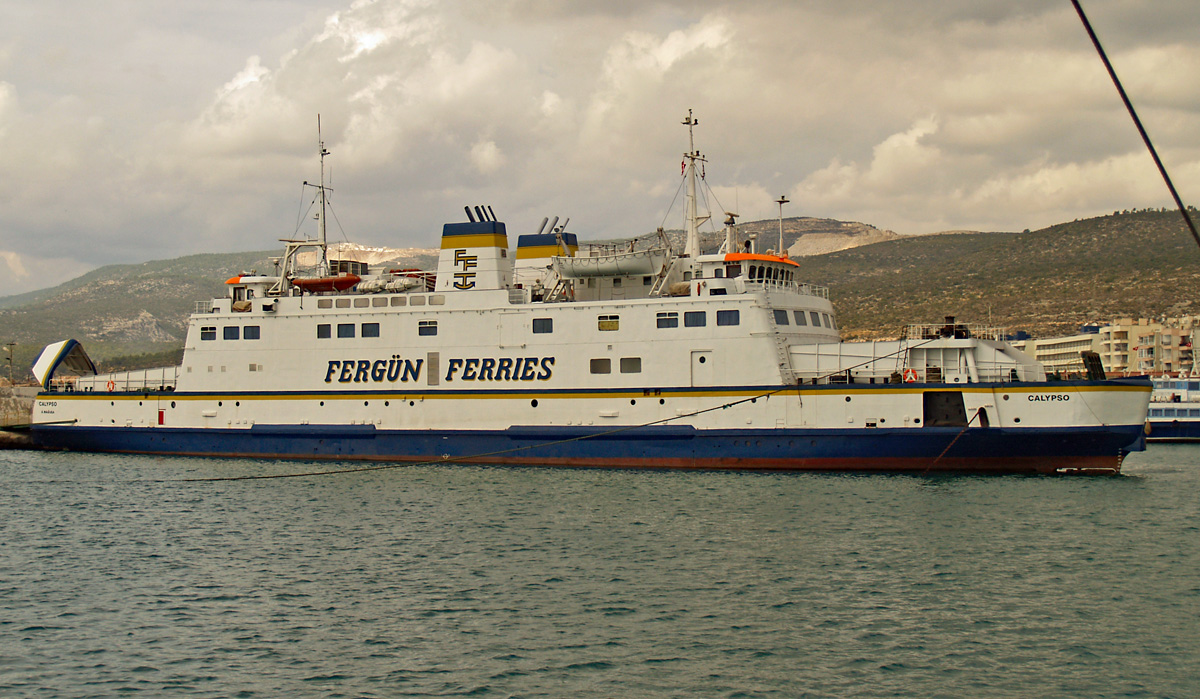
[1048,281]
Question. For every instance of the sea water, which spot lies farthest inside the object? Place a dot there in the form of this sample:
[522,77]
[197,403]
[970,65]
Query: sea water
[119,577]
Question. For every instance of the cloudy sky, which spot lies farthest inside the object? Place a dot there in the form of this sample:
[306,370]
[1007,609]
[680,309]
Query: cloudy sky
[133,130]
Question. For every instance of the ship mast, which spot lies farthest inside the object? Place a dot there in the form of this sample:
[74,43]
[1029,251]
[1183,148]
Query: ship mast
[324,270]
[692,246]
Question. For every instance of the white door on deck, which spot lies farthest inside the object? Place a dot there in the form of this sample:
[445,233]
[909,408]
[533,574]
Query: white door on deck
[702,368]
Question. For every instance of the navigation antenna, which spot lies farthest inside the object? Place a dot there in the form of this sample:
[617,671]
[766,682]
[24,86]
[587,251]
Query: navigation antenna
[781,201]
[692,246]
[322,189]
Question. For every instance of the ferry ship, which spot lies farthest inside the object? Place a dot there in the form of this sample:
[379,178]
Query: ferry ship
[1174,414]
[566,355]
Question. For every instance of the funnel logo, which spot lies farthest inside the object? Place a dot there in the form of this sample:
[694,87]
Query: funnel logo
[465,279]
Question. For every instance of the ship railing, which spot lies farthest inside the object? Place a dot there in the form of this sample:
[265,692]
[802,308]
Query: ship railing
[139,380]
[891,370]
[789,287]
[928,331]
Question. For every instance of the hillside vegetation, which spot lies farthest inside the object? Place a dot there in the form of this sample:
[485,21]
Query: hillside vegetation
[1047,282]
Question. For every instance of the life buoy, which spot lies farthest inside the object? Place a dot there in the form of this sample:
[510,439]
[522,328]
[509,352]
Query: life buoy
[111,385]
[910,375]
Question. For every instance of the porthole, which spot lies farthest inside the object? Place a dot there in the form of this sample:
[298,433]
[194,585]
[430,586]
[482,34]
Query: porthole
[632,401]
[172,404]
[847,399]
[533,403]
[219,404]
[139,402]
[1005,396]
[411,403]
[662,401]
[386,403]
[916,420]
[1016,419]
[322,404]
[237,404]
[703,359]
[366,402]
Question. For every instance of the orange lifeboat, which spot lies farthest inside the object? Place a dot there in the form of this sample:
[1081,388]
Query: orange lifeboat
[339,283]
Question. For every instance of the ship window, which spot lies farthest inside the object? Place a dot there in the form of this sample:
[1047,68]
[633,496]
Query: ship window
[342,303]
[694,319]
[718,273]
[399,300]
[439,299]
[208,333]
[324,303]
[728,318]
[826,317]
[687,276]
[345,330]
[816,318]
[646,281]
[379,301]
[601,366]
[543,325]
[733,271]
[323,332]
[753,271]
[631,365]
[362,303]
[418,301]
[608,322]
[370,329]
[231,332]
[250,332]
[668,319]
[833,322]
[427,327]
[617,281]
[718,292]
[800,317]
[781,317]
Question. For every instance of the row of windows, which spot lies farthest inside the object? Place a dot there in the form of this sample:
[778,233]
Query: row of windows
[628,365]
[325,330]
[377,301]
[1174,412]
[230,332]
[1181,385]
[781,318]
[696,319]
[670,319]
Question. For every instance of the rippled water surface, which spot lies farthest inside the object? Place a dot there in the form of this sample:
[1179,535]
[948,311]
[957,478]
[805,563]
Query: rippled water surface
[118,578]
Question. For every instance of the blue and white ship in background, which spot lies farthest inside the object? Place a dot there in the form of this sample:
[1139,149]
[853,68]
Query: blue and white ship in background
[566,355]
[1174,414]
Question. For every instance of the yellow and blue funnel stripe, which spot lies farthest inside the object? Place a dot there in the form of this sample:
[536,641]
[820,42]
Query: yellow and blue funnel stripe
[480,234]
[534,246]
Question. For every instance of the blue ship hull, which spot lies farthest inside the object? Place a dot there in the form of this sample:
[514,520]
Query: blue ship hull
[1174,431]
[921,450]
